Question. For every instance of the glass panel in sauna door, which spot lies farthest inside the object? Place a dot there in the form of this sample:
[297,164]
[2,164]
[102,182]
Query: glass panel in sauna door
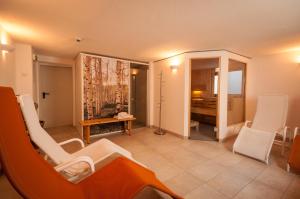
[236,95]
[138,95]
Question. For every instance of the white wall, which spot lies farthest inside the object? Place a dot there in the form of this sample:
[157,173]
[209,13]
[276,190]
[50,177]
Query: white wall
[173,95]
[16,69]
[274,74]
[78,92]
[24,69]
[150,94]
[7,64]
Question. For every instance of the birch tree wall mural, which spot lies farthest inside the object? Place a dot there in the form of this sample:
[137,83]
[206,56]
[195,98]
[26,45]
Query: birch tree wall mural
[106,84]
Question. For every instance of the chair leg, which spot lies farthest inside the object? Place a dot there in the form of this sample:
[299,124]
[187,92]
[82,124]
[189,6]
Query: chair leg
[291,137]
[288,168]
[283,142]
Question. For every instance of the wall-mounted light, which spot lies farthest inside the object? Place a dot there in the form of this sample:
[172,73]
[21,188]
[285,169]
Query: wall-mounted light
[6,48]
[174,68]
[134,71]
[4,43]
[298,59]
[174,64]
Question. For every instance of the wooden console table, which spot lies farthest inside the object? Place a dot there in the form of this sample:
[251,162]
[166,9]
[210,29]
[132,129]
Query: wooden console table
[86,124]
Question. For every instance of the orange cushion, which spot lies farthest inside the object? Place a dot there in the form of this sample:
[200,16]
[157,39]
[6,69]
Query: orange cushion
[294,159]
[122,178]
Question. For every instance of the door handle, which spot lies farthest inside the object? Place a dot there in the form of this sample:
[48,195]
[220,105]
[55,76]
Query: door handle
[44,94]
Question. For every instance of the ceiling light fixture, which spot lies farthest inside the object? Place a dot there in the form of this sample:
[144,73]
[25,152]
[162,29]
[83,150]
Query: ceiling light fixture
[78,39]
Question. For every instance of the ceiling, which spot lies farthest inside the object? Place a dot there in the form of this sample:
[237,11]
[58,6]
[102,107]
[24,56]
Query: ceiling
[148,30]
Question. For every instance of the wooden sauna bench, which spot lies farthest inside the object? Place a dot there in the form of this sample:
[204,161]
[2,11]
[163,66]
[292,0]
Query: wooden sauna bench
[86,124]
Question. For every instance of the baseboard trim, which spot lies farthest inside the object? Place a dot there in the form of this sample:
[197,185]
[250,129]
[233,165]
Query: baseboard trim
[170,132]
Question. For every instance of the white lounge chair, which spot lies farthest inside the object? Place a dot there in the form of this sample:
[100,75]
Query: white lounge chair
[255,140]
[72,164]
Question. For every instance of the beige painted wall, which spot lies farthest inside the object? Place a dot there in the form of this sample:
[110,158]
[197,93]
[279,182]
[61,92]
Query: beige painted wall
[7,64]
[24,69]
[274,74]
[78,92]
[16,67]
[173,95]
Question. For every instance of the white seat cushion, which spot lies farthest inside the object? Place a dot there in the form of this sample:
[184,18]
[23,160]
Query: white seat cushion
[100,149]
[254,143]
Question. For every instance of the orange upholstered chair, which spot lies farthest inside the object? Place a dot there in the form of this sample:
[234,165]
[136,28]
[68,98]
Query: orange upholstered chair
[294,158]
[29,174]
[34,178]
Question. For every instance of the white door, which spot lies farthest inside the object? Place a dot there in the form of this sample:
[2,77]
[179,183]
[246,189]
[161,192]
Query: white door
[55,95]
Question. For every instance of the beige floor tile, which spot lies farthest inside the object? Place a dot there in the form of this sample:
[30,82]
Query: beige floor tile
[183,183]
[249,167]
[275,177]
[205,191]
[166,147]
[163,168]
[184,158]
[258,190]
[229,183]
[133,146]
[293,191]
[204,149]
[167,171]
[149,157]
[207,170]
[228,159]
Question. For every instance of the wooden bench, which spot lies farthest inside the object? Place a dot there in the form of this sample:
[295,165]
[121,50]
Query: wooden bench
[86,124]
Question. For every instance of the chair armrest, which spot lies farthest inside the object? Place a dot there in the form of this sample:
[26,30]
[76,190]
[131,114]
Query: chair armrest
[77,160]
[248,123]
[296,131]
[72,140]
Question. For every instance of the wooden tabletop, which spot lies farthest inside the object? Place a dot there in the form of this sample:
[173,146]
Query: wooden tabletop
[104,121]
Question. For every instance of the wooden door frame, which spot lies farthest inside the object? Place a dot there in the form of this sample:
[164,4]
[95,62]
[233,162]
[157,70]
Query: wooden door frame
[190,95]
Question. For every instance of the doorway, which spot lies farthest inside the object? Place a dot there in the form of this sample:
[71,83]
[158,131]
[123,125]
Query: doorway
[138,94]
[204,99]
[55,95]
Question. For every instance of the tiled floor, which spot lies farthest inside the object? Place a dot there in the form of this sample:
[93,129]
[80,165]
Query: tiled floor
[197,169]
